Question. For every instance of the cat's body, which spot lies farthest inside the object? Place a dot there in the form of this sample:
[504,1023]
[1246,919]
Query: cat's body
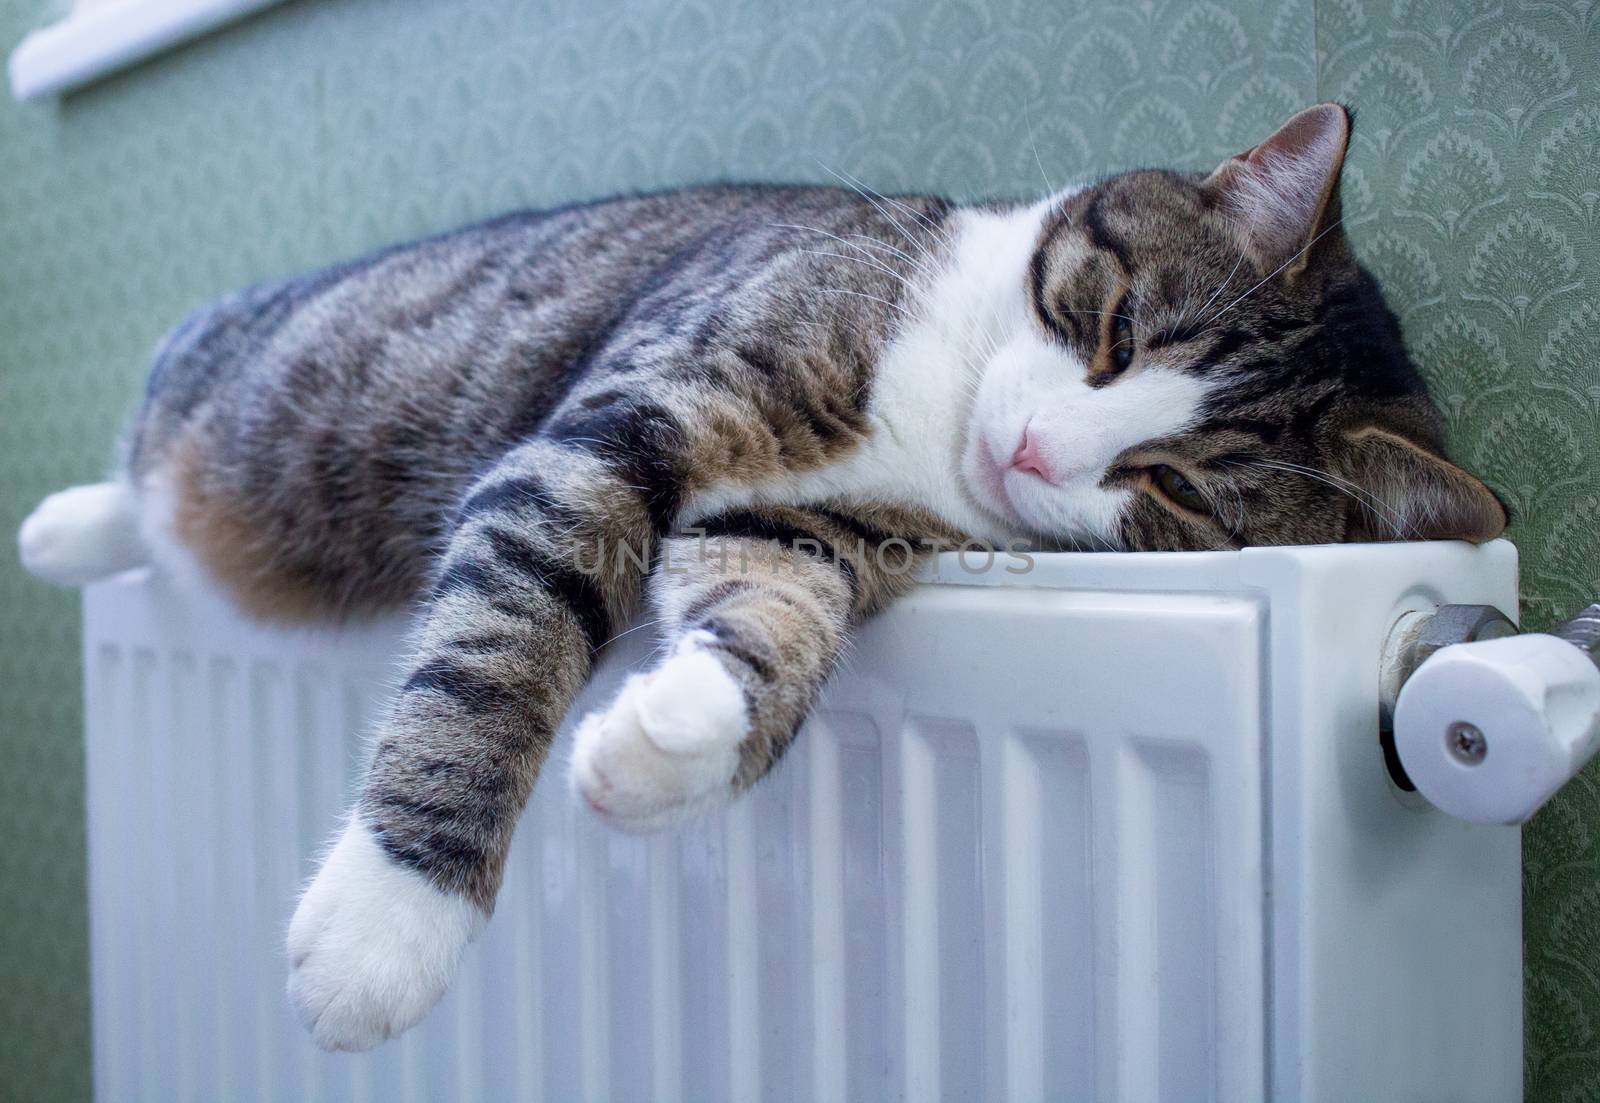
[316,435]
[517,422]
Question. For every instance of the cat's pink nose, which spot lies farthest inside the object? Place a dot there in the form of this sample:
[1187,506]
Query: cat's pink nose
[1027,457]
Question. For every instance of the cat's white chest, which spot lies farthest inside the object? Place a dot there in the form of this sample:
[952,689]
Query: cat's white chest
[917,414]
[909,458]
[921,401]
[920,413]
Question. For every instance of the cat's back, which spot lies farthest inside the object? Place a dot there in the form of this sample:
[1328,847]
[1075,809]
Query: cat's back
[487,318]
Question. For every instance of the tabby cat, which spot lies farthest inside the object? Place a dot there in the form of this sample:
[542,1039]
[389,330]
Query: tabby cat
[521,422]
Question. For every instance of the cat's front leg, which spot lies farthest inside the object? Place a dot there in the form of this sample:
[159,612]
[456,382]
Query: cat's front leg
[505,645]
[755,612]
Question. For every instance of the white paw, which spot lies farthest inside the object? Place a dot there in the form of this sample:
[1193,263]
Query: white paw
[667,746]
[78,535]
[372,945]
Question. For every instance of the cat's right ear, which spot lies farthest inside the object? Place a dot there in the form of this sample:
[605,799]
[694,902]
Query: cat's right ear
[1284,192]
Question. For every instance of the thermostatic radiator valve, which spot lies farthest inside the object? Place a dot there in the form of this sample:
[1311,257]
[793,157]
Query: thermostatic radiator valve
[1487,723]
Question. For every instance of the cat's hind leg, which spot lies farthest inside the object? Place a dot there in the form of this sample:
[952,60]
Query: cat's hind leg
[757,615]
[81,534]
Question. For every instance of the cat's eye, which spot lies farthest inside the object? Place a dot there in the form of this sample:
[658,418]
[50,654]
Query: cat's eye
[1178,488]
[1122,343]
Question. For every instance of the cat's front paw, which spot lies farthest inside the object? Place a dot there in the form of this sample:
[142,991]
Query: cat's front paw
[373,945]
[668,745]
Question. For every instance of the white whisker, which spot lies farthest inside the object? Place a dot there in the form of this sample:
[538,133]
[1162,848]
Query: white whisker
[866,189]
[864,295]
[874,242]
[1027,117]
[869,261]
[1274,272]
[1344,486]
[1243,253]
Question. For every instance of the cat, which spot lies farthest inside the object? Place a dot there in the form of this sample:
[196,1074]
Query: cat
[520,423]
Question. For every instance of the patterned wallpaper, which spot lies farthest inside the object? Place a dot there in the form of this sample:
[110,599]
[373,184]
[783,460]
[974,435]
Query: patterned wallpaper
[1474,191]
[328,126]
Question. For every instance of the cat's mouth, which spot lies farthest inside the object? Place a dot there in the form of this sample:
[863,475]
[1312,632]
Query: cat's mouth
[990,477]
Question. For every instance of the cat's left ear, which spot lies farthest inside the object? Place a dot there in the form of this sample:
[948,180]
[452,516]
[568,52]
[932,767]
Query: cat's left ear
[1285,191]
[1410,492]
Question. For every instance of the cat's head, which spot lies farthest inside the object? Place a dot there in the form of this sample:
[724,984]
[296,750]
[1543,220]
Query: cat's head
[1200,362]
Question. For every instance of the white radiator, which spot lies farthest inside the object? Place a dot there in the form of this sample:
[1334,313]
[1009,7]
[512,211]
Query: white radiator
[1114,829]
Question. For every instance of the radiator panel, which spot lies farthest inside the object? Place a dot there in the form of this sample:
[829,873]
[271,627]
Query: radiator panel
[1022,852]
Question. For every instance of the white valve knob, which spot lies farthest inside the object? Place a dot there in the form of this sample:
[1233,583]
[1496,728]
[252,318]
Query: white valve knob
[1488,731]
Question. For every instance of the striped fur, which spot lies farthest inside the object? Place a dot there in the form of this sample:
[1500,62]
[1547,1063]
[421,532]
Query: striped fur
[768,595]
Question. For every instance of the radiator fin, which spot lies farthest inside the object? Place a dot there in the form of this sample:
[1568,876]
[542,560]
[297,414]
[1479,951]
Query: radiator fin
[956,893]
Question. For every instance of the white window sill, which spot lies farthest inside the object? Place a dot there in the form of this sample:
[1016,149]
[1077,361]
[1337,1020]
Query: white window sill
[103,38]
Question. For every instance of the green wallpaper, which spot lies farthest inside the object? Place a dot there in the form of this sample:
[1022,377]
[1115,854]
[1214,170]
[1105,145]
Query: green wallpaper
[328,126]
